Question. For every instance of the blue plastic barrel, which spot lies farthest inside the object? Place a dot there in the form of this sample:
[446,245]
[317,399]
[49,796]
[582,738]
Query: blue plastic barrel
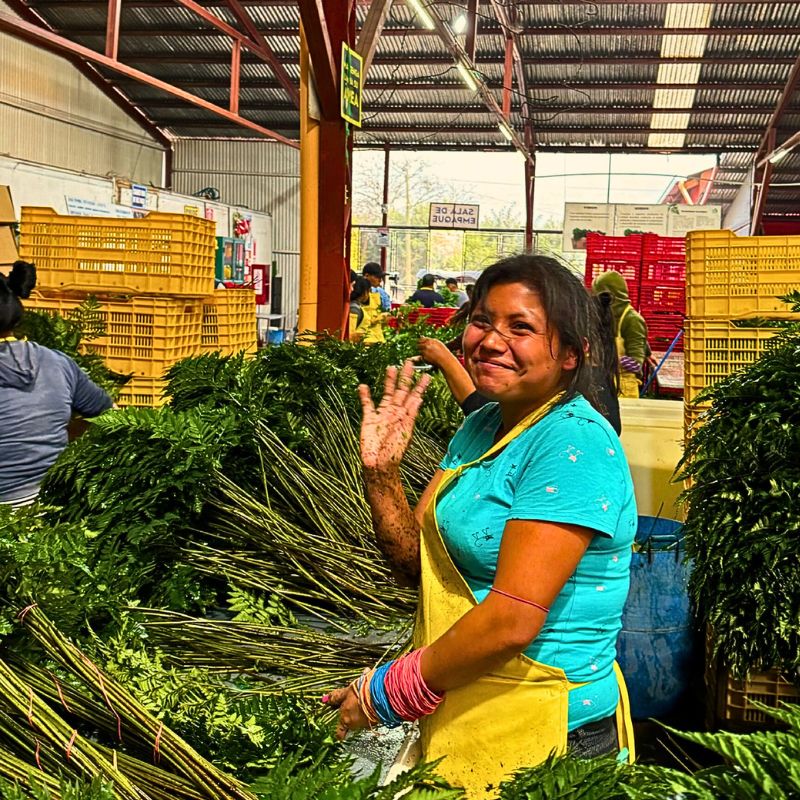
[656,645]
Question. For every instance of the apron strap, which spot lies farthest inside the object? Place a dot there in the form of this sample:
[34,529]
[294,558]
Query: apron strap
[624,314]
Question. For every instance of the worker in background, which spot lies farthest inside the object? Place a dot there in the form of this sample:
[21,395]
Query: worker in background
[426,295]
[461,296]
[359,300]
[374,274]
[40,389]
[630,329]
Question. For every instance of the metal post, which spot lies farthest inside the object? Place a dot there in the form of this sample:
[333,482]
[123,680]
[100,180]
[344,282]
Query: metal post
[530,179]
[761,196]
[112,28]
[508,76]
[385,209]
[236,61]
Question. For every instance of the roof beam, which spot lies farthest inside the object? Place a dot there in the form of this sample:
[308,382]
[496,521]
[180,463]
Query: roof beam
[371,32]
[315,27]
[84,4]
[494,59]
[52,41]
[483,129]
[471,39]
[382,86]
[792,82]
[91,73]
[507,17]
[258,48]
[405,108]
[293,33]
[238,10]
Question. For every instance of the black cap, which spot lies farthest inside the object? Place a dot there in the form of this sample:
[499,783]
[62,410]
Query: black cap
[373,268]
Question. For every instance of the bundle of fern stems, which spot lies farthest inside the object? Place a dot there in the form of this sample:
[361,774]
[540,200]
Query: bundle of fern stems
[45,725]
[306,536]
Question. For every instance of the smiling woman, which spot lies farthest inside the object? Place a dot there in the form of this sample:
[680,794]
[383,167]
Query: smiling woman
[521,544]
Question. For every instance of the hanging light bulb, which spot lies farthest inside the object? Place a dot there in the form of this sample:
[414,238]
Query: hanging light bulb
[459,24]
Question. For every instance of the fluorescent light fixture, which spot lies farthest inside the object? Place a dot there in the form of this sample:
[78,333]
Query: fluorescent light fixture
[459,24]
[506,131]
[466,75]
[422,13]
[778,155]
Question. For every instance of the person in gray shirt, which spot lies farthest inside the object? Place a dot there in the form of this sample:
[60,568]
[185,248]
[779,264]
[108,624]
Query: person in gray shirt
[40,389]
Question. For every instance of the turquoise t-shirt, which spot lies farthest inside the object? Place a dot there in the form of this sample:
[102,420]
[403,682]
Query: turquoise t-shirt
[569,467]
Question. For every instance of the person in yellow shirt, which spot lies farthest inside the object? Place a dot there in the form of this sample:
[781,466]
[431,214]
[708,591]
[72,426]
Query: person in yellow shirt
[366,317]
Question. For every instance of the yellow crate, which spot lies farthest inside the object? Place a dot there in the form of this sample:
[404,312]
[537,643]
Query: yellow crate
[716,348]
[729,698]
[144,335]
[169,254]
[229,321]
[142,393]
[729,276]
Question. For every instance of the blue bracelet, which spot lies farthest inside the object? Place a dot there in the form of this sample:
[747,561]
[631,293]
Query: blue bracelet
[380,701]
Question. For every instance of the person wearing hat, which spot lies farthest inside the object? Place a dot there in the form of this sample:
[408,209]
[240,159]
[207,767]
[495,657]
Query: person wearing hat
[374,274]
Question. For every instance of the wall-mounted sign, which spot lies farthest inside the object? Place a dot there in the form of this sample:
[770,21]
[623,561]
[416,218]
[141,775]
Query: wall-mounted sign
[352,73]
[382,237]
[454,215]
[622,219]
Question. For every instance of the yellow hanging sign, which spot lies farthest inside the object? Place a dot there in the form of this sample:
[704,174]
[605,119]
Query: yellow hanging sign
[352,75]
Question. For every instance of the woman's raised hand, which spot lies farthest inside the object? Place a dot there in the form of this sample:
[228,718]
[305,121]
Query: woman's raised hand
[386,430]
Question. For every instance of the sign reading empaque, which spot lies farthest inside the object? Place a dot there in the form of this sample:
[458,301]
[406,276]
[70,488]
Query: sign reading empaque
[454,215]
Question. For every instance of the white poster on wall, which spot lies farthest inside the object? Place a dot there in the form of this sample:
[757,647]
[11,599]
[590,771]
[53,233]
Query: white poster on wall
[683,219]
[622,219]
[583,218]
[640,219]
[219,214]
[86,207]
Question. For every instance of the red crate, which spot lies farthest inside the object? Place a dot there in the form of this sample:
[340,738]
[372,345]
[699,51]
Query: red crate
[661,330]
[664,272]
[621,254]
[662,298]
[438,317]
[663,248]
[626,248]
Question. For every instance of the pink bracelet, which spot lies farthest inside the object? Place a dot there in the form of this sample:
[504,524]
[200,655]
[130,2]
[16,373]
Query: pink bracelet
[520,599]
[406,690]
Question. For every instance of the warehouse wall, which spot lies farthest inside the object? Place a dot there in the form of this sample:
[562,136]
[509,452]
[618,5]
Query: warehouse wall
[51,114]
[264,176]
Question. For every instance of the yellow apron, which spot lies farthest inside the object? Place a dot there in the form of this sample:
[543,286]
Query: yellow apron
[373,320]
[511,718]
[628,382]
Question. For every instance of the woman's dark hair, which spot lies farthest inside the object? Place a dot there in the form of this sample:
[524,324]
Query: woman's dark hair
[360,287]
[569,309]
[605,359]
[427,279]
[17,284]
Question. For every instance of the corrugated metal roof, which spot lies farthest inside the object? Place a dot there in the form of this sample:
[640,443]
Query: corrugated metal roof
[595,73]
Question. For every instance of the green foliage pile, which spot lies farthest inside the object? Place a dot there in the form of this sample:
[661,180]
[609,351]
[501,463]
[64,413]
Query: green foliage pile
[743,523]
[765,764]
[71,335]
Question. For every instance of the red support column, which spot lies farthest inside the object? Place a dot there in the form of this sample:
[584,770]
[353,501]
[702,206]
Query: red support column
[112,28]
[335,158]
[236,63]
[472,29]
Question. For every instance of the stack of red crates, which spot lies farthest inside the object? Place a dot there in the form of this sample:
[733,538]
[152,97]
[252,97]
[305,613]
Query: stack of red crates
[662,289]
[655,270]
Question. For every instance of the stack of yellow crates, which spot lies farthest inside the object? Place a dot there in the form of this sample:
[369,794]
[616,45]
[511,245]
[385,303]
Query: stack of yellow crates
[731,278]
[154,278]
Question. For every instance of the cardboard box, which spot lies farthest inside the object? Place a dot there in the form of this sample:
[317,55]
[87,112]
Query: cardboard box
[8,245]
[7,214]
